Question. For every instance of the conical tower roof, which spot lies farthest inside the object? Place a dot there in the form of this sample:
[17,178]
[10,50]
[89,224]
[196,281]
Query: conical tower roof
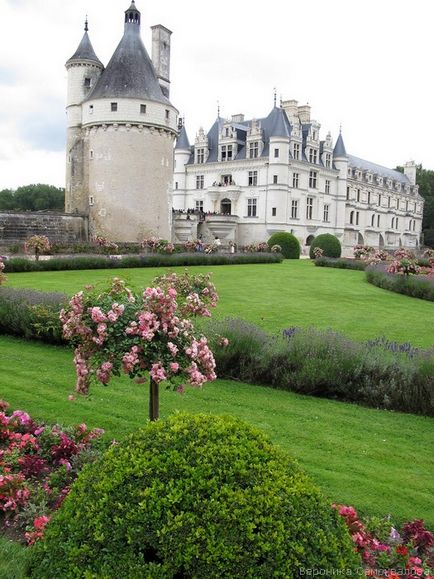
[85,50]
[182,142]
[278,123]
[339,150]
[130,72]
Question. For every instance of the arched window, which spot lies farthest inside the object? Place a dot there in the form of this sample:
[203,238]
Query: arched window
[226,206]
[310,239]
[373,220]
[393,222]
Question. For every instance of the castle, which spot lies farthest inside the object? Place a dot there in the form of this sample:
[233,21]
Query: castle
[241,181]
[252,178]
[121,129]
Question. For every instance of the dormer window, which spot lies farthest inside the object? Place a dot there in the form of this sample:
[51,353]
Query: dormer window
[200,155]
[389,183]
[350,172]
[113,107]
[328,160]
[296,151]
[254,150]
[313,156]
[226,152]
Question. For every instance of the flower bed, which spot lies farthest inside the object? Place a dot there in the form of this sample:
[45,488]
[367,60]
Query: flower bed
[38,464]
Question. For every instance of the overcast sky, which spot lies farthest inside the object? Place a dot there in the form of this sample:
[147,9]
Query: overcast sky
[364,65]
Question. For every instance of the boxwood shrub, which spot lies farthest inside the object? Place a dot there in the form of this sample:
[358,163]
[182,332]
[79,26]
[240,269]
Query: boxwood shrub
[288,242]
[412,285]
[329,243]
[194,496]
[342,263]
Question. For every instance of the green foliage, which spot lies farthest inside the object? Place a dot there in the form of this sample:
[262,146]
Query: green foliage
[329,243]
[17,264]
[428,235]
[414,286]
[342,263]
[13,559]
[31,314]
[193,496]
[324,363]
[33,198]
[288,242]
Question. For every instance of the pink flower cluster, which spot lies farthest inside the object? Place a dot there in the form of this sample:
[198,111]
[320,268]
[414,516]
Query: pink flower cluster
[141,335]
[404,266]
[411,551]
[318,252]
[30,453]
[106,243]
[37,244]
[363,251]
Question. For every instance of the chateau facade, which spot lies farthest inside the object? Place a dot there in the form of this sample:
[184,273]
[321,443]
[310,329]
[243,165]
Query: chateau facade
[252,178]
[121,129]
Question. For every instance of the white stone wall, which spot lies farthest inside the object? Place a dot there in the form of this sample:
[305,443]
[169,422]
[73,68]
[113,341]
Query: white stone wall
[130,182]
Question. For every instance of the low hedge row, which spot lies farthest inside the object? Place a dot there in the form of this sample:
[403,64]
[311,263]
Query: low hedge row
[326,364]
[18,264]
[341,263]
[410,285]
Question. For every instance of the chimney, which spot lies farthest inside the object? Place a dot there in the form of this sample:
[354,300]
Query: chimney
[290,108]
[238,118]
[161,56]
[410,172]
[304,113]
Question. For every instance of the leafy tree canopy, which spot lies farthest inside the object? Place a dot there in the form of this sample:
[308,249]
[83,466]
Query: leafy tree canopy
[36,197]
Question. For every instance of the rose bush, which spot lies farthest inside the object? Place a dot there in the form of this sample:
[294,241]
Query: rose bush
[37,244]
[145,335]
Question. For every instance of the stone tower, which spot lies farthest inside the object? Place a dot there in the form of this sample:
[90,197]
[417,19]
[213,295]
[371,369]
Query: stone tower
[122,129]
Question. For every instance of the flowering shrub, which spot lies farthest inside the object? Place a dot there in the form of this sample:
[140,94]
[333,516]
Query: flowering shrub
[402,253]
[404,266]
[34,459]
[157,244]
[318,252]
[363,251]
[191,245]
[276,249]
[109,246]
[428,253]
[378,256]
[3,278]
[411,551]
[37,244]
[259,247]
[210,248]
[147,334]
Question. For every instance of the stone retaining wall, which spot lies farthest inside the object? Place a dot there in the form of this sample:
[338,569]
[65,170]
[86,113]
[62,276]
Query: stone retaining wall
[16,227]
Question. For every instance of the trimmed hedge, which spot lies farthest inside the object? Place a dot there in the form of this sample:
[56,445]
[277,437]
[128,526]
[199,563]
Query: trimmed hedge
[379,373]
[329,243]
[341,263]
[18,264]
[412,285]
[288,242]
[194,496]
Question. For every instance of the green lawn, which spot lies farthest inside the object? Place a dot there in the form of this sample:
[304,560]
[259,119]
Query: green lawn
[276,296]
[379,461]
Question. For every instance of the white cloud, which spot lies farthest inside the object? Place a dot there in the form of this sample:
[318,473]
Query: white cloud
[362,64]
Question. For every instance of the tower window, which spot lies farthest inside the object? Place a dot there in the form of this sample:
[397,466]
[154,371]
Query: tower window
[91,200]
[273,211]
[87,82]
[143,109]
[276,153]
[167,114]
[114,107]
[91,109]
[274,179]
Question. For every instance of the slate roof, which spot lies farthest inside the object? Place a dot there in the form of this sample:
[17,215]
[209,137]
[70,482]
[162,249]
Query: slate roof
[339,150]
[182,141]
[358,163]
[85,51]
[130,72]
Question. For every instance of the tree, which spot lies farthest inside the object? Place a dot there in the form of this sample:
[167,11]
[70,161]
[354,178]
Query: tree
[147,336]
[37,197]
[425,180]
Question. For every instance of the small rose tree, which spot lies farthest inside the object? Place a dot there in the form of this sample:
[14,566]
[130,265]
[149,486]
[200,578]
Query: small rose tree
[37,244]
[149,335]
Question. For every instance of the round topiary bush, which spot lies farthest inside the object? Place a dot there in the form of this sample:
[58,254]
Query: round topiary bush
[193,496]
[329,243]
[288,242]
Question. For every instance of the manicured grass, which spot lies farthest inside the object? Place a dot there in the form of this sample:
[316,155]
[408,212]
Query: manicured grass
[12,559]
[277,296]
[381,462]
